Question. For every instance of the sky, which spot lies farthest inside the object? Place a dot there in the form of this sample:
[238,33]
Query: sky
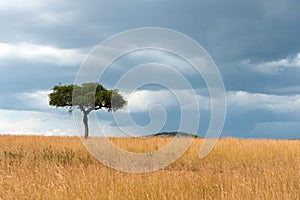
[255,45]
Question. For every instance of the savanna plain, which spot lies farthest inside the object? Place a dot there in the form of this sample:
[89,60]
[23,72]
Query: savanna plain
[37,167]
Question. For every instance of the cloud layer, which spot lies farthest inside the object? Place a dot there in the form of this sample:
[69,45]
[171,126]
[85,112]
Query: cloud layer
[255,45]
[40,54]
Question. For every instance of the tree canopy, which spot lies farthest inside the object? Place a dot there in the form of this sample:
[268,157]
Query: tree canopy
[86,97]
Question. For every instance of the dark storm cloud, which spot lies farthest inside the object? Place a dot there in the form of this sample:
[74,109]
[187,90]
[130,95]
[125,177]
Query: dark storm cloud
[239,76]
[229,30]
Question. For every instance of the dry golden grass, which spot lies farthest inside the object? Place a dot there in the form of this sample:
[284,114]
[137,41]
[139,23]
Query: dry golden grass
[33,167]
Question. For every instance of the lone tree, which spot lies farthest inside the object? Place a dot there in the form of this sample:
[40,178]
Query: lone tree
[86,97]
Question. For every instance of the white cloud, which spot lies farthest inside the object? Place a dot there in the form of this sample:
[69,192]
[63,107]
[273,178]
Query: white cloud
[20,5]
[35,123]
[276,66]
[142,100]
[276,103]
[38,99]
[40,53]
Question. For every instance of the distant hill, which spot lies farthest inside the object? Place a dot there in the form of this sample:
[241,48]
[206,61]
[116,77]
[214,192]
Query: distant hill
[172,134]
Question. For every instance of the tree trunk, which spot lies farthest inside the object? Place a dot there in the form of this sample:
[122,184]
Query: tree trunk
[86,126]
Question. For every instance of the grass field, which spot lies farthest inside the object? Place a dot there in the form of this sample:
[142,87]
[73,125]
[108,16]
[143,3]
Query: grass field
[33,167]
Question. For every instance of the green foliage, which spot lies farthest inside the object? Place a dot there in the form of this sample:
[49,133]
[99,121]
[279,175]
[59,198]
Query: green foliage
[61,96]
[86,97]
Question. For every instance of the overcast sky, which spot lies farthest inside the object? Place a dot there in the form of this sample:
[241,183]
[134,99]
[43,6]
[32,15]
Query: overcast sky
[255,45]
